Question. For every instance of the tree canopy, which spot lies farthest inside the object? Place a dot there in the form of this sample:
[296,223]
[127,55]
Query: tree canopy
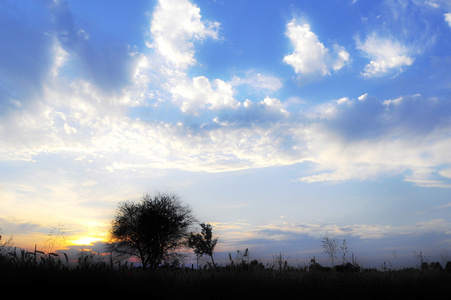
[151,230]
[203,243]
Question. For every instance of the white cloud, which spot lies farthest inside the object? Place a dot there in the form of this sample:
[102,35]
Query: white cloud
[176,24]
[200,93]
[364,160]
[448,18]
[385,55]
[60,58]
[344,139]
[446,172]
[342,57]
[69,129]
[368,138]
[258,81]
[432,4]
[275,104]
[310,56]
[83,34]
[425,182]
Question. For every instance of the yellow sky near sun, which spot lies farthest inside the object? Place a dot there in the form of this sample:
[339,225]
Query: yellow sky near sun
[57,238]
[92,234]
[85,240]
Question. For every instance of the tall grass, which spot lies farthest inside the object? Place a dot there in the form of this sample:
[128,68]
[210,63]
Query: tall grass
[240,278]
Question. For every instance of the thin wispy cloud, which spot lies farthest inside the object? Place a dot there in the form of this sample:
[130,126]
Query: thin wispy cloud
[385,55]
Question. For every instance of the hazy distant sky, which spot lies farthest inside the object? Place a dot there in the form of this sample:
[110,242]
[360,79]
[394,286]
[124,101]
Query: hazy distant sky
[276,121]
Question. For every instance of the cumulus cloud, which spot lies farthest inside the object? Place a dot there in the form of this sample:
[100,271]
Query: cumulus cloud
[192,95]
[175,26]
[261,113]
[385,54]
[365,138]
[448,18]
[343,139]
[310,56]
[369,118]
[200,93]
[309,53]
[341,57]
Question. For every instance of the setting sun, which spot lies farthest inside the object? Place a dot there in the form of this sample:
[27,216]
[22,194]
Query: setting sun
[85,240]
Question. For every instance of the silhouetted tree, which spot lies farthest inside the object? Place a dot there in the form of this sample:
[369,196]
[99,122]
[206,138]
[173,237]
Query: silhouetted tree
[151,230]
[203,243]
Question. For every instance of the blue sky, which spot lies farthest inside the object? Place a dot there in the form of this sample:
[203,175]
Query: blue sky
[277,122]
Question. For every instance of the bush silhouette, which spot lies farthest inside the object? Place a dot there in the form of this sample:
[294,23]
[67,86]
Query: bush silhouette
[203,243]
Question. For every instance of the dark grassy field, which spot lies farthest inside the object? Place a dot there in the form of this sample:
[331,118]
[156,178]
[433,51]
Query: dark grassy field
[48,275]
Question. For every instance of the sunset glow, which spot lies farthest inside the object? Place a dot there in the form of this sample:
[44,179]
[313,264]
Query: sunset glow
[85,241]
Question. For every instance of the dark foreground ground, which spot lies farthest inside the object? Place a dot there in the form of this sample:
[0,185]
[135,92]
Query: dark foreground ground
[225,283]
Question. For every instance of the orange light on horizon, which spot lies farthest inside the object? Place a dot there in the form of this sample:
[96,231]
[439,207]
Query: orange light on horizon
[85,241]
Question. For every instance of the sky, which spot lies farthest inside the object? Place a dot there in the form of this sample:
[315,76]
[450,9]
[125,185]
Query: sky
[278,122]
